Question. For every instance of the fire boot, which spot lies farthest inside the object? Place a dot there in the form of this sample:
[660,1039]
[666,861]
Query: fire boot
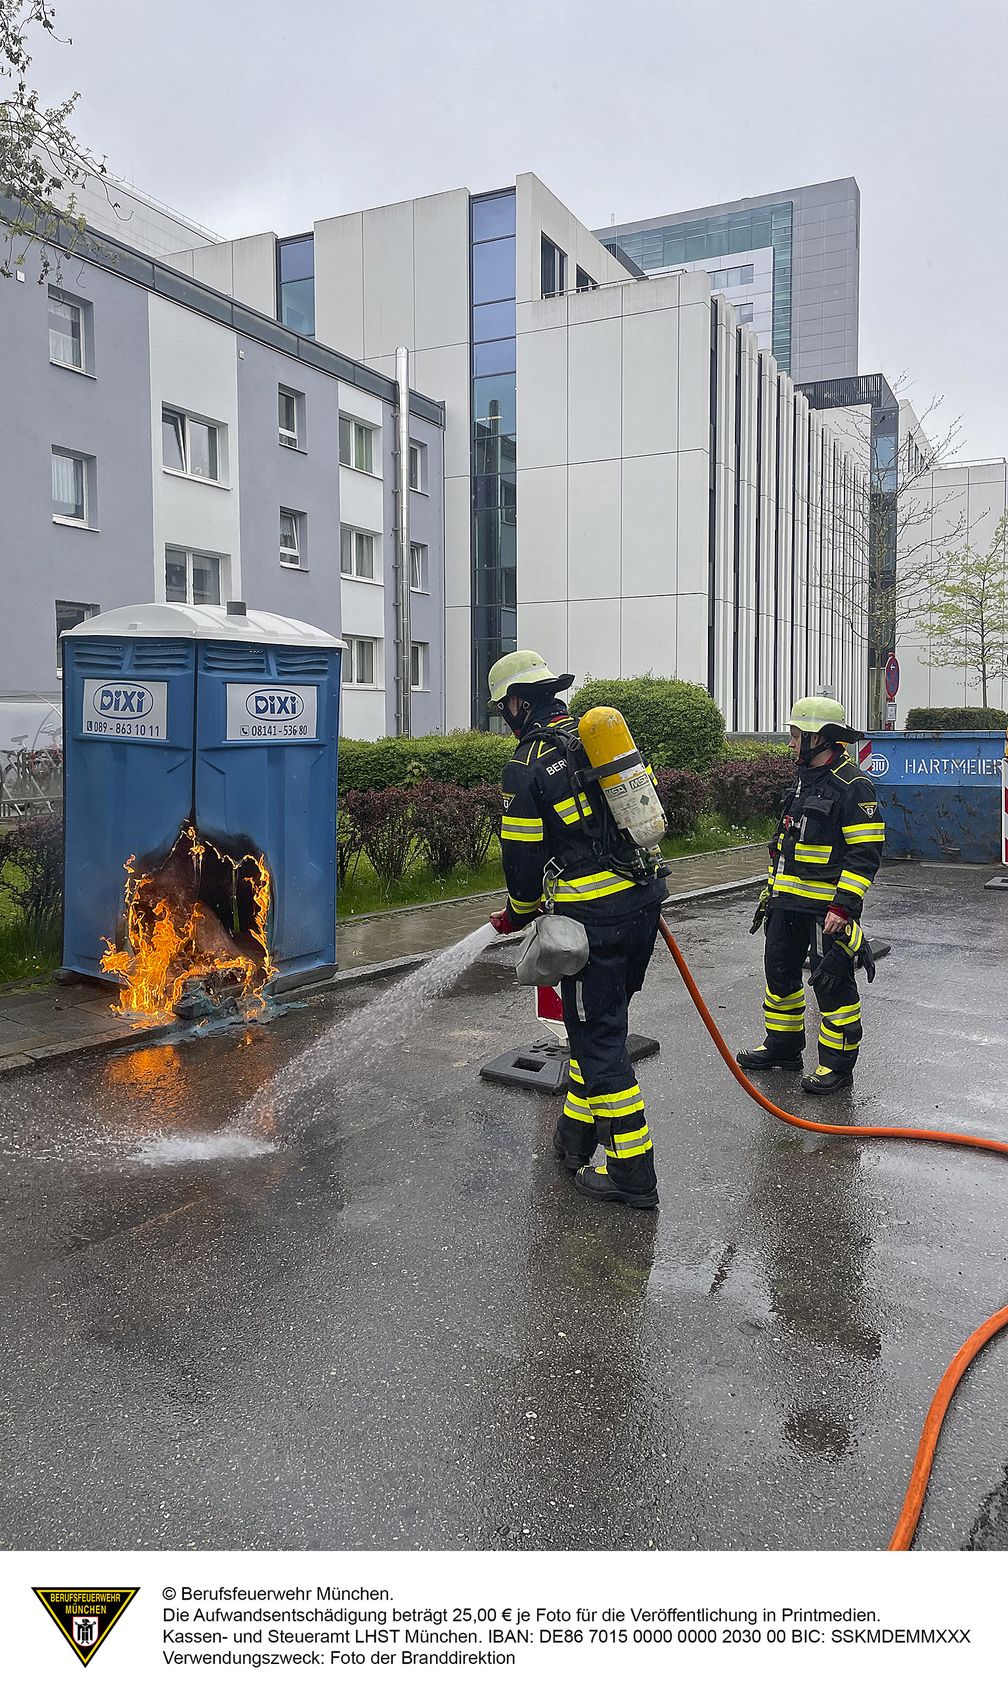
[574,1143]
[762,1060]
[600,1186]
[825,1081]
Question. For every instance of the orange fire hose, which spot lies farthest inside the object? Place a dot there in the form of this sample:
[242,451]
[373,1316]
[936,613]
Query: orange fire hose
[910,1514]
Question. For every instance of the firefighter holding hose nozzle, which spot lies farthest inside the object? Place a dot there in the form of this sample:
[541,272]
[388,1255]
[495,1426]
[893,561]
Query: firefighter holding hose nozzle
[824,855]
[580,824]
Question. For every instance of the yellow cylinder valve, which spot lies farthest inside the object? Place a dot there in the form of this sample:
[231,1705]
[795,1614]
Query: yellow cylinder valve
[627,788]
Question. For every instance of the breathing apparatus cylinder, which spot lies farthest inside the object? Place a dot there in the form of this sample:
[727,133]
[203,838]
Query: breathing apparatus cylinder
[620,770]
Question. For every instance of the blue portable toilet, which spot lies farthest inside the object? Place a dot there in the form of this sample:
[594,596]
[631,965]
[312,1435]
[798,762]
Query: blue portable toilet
[223,719]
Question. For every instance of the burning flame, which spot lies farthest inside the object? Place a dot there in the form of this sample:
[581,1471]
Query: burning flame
[173,936]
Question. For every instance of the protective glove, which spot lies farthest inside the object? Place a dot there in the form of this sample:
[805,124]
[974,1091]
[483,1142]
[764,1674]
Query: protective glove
[503,923]
[831,971]
[762,908]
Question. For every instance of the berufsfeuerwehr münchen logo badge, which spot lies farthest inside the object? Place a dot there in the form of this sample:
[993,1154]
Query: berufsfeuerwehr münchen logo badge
[85,1615]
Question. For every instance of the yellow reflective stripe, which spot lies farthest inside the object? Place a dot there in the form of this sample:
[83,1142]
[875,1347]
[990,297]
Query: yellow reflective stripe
[575,1071]
[628,1154]
[813,852]
[576,1114]
[836,1040]
[571,805]
[851,880]
[523,906]
[803,887]
[785,1002]
[844,1015]
[629,1142]
[855,833]
[579,1101]
[616,1098]
[521,829]
[795,1024]
[591,888]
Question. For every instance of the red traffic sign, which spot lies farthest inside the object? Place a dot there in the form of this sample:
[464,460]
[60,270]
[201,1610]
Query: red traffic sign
[892,675]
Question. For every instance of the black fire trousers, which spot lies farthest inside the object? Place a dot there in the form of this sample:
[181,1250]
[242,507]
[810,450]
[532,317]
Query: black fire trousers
[604,1103]
[789,937]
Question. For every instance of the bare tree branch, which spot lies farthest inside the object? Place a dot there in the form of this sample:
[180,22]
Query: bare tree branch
[42,165]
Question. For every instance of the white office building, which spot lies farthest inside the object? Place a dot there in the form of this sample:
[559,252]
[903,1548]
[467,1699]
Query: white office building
[631,482]
[961,505]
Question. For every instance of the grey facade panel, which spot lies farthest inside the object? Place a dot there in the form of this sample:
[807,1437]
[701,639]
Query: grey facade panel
[304,480]
[106,417]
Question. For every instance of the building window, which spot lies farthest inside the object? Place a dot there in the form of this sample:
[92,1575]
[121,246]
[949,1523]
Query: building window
[360,660]
[744,310]
[554,268]
[725,278]
[191,577]
[585,280]
[356,445]
[66,330]
[418,665]
[418,568]
[357,554]
[417,467]
[190,446]
[72,488]
[296,284]
[67,616]
[293,527]
[290,410]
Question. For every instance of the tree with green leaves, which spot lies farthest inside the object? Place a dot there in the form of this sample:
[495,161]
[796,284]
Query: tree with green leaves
[966,614]
[41,162]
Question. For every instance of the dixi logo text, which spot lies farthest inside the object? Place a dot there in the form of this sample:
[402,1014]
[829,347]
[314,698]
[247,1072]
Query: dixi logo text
[126,700]
[262,705]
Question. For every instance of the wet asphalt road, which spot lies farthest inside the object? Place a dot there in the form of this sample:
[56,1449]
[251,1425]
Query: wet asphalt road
[401,1328]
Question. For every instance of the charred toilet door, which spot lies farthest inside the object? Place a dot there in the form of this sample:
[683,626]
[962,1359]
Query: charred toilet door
[128,720]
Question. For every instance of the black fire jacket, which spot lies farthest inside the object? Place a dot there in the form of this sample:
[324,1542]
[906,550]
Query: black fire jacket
[827,846]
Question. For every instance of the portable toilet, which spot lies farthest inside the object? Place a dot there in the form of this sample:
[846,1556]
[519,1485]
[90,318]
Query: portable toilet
[215,725]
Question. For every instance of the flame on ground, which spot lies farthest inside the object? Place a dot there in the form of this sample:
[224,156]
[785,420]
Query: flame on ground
[174,936]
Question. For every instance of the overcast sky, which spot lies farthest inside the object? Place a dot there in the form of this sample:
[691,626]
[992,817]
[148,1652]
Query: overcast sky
[250,116]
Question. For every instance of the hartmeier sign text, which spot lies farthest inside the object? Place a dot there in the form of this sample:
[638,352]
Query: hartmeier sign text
[125,709]
[270,710]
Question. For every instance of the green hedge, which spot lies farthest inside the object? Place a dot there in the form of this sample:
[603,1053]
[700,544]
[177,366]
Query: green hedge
[469,760]
[956,717]
[675,723]
[753,750]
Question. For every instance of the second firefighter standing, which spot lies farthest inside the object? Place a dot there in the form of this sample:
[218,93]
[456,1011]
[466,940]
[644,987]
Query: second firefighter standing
[824,856]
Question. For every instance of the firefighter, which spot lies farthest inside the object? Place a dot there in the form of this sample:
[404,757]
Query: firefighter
[556,848]
[825,853]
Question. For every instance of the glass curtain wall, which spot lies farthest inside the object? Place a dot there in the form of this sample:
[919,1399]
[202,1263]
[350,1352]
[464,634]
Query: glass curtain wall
[296,284]
[494,480]
[725,234]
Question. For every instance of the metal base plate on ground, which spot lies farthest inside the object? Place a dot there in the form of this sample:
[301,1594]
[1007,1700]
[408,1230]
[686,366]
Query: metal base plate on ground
[998,882]
[542,1065]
